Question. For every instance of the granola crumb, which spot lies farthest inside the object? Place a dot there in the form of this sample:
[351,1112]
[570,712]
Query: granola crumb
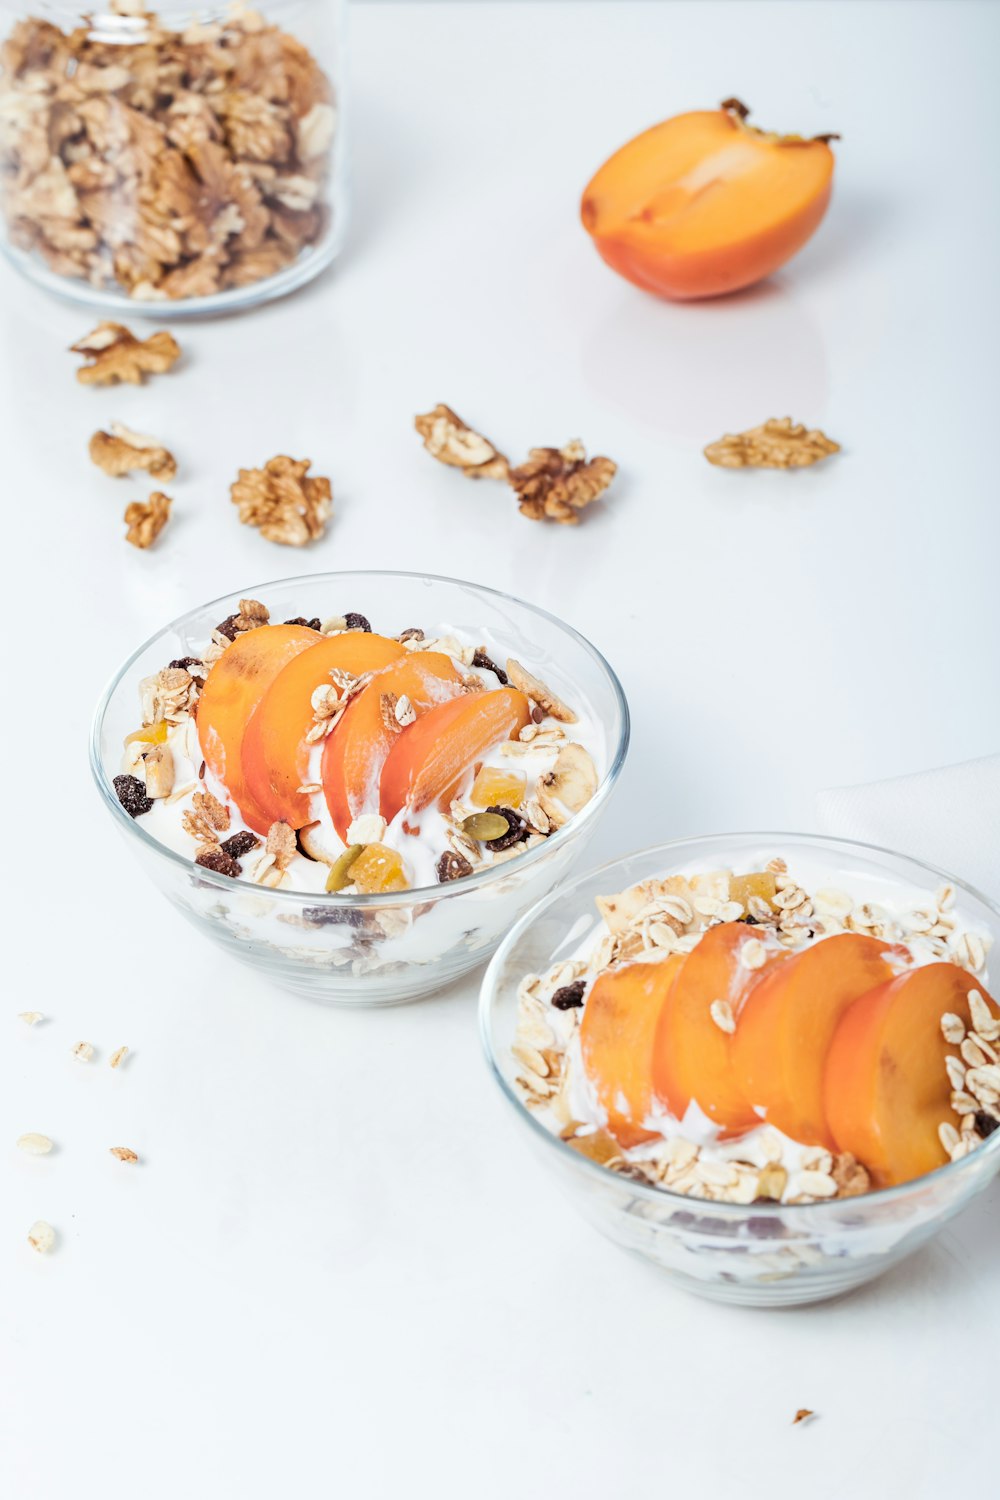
[124,1153]
[41,1237]
[117,1057]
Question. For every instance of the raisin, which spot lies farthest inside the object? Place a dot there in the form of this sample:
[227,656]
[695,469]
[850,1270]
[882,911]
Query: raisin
[186,662]
[763,1226]
[329,916]
[411,635]
[570,996]
[517,829]
[239,844]
[221,863]
[537,714]
[229,627]
[313,624]
[132,795]
[985,1124]
[452,866]
[356,622]
[749,919]
[481,659]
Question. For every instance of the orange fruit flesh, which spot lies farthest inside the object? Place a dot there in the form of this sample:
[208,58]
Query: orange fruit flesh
[274,754]
[356,749]
[616,1042]
[233,688]
[692,1054]
[787,1023]
[431,754]
[886,1088]
[700,204]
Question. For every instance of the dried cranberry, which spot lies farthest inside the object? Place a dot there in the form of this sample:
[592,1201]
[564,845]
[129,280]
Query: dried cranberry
[221,863]
[570,996]
[985,1124]
[488,664]
[313,624]
[452,866]
[229,627]
[185,663]
[517,829]
[357,622]
[239,844]
[132,795]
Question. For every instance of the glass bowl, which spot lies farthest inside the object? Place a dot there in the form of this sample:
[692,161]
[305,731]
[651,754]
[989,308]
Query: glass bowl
[765,1254]
[371,950]
[168,160]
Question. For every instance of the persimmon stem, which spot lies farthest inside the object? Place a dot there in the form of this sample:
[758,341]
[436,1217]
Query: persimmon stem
[741,112]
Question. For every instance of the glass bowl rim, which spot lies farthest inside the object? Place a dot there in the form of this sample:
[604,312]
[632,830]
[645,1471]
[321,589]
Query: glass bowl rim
[415,894]
[646,1191]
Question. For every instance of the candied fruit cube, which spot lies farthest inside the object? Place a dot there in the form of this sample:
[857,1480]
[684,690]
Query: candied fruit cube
[150,734]
[494,787]
[760,884]
[378,869]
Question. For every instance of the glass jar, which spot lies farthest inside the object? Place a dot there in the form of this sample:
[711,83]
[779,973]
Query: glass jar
[182,162]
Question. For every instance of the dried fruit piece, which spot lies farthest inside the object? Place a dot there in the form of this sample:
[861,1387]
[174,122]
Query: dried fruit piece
[597,1145]
[122,451]
[146,519]
[221,864]
[149,734]
[132,795]
[239,844]
[569,996]
[378,869]
[517,829]
[778,443]
[480,658]
[772,1182]
[760,885]
[450,440]
[539,692]
[340,875]
[115,354]
[569,786]
[452,866]
[354,621]
[495,785]
[34,1143]
[555,484]
[41,1236]
[284,503]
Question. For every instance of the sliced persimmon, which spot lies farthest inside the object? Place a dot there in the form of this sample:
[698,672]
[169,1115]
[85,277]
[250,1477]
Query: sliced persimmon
[787,1023]
[274,752]
[233,688]
[431,754]
[356,749]
[692,1053]
[886,1089]
[705,203]
[617,1032]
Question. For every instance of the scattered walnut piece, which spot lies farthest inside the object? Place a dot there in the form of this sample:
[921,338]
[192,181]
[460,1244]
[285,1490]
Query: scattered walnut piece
[146,519]
[451,441]
[122,451]
[282,502]
[534,688]
[802,1415]
[555,484]
[124,1153]
[115,354]
[778,443]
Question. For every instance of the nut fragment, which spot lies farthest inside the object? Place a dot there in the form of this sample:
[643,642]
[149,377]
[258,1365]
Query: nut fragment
[115,354]
[159,766]
[30,1017]
[452,866]
[451,441]
[339,875]
[145,520]
[778,443]
[122,451]
[802,1415]
[555,484]
[569,786]
[124,1153]
[83,1051]
[851,1177]
[117,1057]
[283,502]
[34,1144]
[41,1236]
[534,688]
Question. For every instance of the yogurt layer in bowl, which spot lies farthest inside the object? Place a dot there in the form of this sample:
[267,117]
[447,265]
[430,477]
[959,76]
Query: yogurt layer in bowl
[360,804]
[768,1063]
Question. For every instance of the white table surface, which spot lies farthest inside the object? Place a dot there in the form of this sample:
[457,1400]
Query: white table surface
[338,1271]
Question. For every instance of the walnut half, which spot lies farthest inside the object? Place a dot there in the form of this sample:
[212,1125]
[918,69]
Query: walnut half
[778,443]
[451,441]
[555,484]
[116,355]
[283,503]
[122,451]
[146,520]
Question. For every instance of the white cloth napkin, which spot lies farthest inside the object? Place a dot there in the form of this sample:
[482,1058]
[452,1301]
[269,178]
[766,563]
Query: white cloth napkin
[950,817]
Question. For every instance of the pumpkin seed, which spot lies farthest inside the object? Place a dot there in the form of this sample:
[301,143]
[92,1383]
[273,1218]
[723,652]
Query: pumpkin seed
[339,875]
[485,826]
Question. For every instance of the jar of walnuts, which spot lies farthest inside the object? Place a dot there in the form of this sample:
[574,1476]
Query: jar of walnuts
[181,161]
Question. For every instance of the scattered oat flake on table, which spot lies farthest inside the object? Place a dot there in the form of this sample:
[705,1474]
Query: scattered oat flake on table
[117,1057]
[30,1017]
[146,519]
[802,1415]
[116,355]
[778,443]
[124,1153]
[452,441]
[555,484]
[41,1236]
[83,1051]
[34,1143]
[121,451]
[283,502]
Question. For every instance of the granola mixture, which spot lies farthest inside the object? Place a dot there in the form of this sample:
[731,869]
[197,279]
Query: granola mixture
[166,163]
[511,800]
[658,918]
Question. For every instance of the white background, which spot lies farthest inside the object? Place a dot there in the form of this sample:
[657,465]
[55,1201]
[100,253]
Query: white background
[338,1271]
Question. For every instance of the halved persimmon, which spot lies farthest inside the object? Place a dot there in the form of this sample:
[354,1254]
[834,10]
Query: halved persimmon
[356,749]
[786,1026]
[692,1051]
[274,752]
[233,688]
[616,1042]
[432,753]
[704,203]
[886,1089]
